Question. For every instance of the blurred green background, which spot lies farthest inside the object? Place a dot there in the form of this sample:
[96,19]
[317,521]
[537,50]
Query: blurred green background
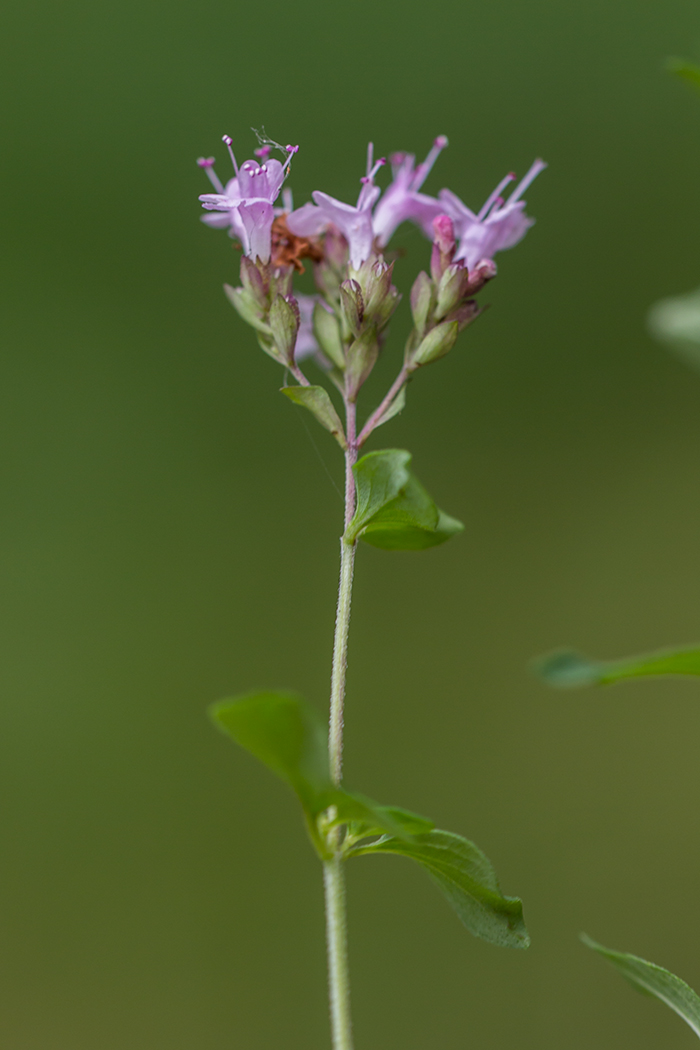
[169,534]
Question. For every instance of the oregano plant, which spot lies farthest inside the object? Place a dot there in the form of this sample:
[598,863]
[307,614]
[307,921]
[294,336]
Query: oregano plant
[341,330]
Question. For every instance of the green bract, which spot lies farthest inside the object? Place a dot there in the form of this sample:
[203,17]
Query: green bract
[653,980]
[318,402]
[568,669]
[393,509]
[287,735]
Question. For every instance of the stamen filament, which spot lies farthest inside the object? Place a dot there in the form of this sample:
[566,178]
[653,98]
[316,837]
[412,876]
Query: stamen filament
[423,170]
[532,174]
[493,197]
[228,142]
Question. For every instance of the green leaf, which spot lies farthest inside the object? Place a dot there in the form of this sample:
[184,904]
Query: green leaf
[316,399]
[287,735]
[394,511]
[467,879]
[379,478]
[568,669]
[686,71]
[653,980]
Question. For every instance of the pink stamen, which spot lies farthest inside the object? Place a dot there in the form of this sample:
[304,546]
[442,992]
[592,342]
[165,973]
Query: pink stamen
[228,142]
[207,163]
[369,177]
[491,200]
[424,169]
[532,174]
[291,150]
[370,158]
[263,152]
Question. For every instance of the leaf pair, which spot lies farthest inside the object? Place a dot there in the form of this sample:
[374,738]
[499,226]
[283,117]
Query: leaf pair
[653,980]
[393,509]
[568,669]
[287,735]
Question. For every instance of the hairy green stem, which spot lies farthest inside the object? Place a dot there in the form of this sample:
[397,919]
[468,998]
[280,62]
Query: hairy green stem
[333,874]
[337,941]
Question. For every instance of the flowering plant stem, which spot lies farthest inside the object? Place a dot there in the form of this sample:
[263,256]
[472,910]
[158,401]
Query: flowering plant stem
[333,873]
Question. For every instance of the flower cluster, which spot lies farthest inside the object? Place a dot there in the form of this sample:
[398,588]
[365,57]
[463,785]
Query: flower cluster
[344,325]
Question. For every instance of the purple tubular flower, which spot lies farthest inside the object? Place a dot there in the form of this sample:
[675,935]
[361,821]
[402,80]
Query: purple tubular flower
[354,222]
[402,201]
[244,205]
[499,225]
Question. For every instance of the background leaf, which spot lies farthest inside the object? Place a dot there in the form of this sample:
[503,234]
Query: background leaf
[568,669]
[675,321]
[467,879]
[686,71]
[653,980]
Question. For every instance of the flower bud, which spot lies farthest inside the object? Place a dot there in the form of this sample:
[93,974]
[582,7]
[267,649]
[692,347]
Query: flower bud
[361,357]
[465,314]
[422,301]
[484,271]
[252,281]
[438,342]
[444,246]
[284,324]
[328,336]
[352,306]
[451,289]
[247,308]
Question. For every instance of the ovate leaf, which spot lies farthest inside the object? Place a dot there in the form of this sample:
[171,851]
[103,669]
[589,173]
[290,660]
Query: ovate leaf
[394,511]
[379,478]
[316,399]
[568,669]
[467,879]
[653,980]
[287,735]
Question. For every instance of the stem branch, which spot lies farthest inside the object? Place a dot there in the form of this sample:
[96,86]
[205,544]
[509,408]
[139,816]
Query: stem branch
[401,380]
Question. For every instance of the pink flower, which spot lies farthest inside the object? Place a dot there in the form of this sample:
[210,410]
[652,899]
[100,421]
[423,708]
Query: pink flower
[402,201]
[500,224]
[245,204]
[353,221]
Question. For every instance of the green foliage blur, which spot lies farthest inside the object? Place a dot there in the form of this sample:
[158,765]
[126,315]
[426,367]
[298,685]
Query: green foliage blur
[170,530]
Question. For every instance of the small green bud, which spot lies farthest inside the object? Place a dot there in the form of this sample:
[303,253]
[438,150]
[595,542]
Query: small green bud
[422,301]
[247,308]
[352,306]
[284,325]
[451,289]
[327,335]
[361,358]
[438,342]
